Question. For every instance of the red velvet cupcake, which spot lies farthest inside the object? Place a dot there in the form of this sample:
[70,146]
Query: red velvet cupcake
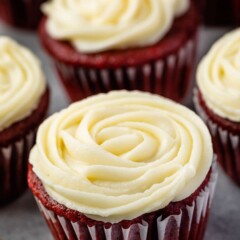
[148,46]
[217,100]
[24,102]
[200,5]
[21,13]
[123,165]
[220,12]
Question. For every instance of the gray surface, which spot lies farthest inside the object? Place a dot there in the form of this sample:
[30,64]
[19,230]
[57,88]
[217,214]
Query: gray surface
[22,221]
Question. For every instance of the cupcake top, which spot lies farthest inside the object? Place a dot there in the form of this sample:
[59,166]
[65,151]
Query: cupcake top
[218,77]
[119,155]
[22,82]
[97,25]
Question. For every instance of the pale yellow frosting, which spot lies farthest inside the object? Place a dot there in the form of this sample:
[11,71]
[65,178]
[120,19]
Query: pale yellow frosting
[22,82]
[218,77]
[119,155]
[98,25]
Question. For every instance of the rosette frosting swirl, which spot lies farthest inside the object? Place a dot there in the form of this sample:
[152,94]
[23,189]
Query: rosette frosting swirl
[119,155]
[218,77]
[98,25]
[22,82]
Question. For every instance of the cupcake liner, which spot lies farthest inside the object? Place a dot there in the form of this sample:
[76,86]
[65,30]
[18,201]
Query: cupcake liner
[226,144]
[21,13]
[170,77]
[189,224]
[13,167]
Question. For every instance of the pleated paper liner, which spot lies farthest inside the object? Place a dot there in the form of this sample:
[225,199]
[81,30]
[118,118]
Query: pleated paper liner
[187,224]
[226,143]
[169,77]
[13,167]
[24,14]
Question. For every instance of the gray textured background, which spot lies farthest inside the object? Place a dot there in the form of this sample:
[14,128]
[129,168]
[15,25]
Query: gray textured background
[21,219]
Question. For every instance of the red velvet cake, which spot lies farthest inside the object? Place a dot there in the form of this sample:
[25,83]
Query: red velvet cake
[16,142]
[24,99]
[21,13]
[217,100]
[123,165]
[163,68]
[225,136]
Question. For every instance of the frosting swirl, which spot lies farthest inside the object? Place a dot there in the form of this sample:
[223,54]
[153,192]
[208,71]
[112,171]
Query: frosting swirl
[119,155]
[21,82]
[218,77]
[98,25]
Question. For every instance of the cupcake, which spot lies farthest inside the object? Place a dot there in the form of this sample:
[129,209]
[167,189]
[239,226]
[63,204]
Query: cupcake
[220,12]
[123,165]
[146,45]
[217,100]
[23,105]
[21,13]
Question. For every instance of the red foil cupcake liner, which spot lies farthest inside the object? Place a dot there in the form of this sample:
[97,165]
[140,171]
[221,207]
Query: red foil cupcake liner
[226,143]
[13,167]
[188,224]
[21,13]
[170,77]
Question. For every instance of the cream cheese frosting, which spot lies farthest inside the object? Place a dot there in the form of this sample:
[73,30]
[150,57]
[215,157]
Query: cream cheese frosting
[119,155]
[22,82]
[218,77]
[97,25]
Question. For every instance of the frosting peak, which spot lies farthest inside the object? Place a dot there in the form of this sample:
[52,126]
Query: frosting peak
[218,77]
[117,156]
[98,25]
[21,82]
